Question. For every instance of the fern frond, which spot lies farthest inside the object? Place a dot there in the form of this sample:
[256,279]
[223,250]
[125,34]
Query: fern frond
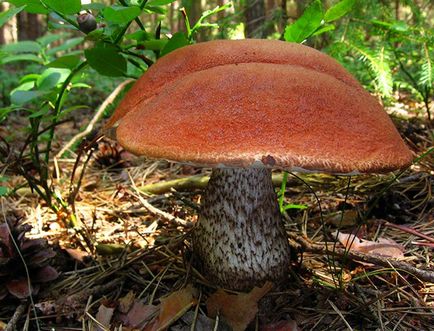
[378,62]
[426,72]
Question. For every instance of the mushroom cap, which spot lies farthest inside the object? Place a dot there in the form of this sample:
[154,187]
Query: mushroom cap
[289,116]
[201,56]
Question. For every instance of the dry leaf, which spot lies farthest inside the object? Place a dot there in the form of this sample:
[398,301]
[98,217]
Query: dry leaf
[174,306]
[238,310]
[77,254]
[126,302]
[104,316]
[46,307]
[383,247]
[202,323]
[139,315]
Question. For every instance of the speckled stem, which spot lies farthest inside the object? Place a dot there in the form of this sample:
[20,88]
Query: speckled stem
[239,240]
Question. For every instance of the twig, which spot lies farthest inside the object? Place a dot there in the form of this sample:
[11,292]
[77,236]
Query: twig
[155,210]
[17,315]
[96,117]
[408,230]
[422,274]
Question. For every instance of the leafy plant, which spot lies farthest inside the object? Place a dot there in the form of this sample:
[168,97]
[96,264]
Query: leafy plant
[94,38]
[397,55]
[314,21]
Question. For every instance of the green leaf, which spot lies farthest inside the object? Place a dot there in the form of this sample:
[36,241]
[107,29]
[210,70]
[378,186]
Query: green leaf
[25,86]
[294,206]
[155,9]
[68,44]
[178,40]
[32,6]
[325,28]
[306,24]
[159,2]
[49,38]
[51,77]
[22,97]
[67,61]
[139,36]
[21,57]
[26,46]
[65,7]
[338,10]
[8,14]
[29,78]
[43,111]
[4,112]
[121,15]
[93,6]
[3,191]
[155,44]
[106,60]
[399,26]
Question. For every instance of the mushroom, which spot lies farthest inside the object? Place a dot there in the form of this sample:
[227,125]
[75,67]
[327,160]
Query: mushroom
[244,108]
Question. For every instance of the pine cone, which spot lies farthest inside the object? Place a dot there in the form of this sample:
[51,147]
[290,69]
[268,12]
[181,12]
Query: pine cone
[36,253]
[110,155]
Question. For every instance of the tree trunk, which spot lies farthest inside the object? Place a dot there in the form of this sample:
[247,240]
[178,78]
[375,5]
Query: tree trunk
[220,14]
[301,6]
[240,241]
[29,26]
[255,18]
[2,29]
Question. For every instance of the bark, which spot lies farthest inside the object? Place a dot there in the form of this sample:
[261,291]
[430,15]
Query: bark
[255,18]
[29,26]
[240,241]
[2,29]
[221,14]
[301,6]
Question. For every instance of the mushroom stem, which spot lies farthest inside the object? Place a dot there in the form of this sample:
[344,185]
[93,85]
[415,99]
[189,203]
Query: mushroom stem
[240,240]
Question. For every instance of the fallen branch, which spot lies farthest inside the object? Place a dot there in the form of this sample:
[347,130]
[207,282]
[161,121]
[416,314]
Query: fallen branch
[195,182]
[95,119]
[422,274]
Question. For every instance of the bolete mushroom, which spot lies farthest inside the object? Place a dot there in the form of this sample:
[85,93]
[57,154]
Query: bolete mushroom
[244,108]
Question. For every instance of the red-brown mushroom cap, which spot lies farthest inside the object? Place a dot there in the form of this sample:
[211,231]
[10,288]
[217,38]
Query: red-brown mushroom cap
[186,60]
[285,116]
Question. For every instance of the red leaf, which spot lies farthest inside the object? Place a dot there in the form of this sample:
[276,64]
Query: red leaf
[383,247]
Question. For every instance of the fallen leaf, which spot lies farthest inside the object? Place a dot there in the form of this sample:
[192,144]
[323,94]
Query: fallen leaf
[139,315]
[238,310]
[383,247]
[202,323]
[126,302]
[77,254]
[290,325]
[46,307]
[104,316]
[174,306]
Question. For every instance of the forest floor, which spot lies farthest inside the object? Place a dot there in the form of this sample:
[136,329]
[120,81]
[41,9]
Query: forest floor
[128,263]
